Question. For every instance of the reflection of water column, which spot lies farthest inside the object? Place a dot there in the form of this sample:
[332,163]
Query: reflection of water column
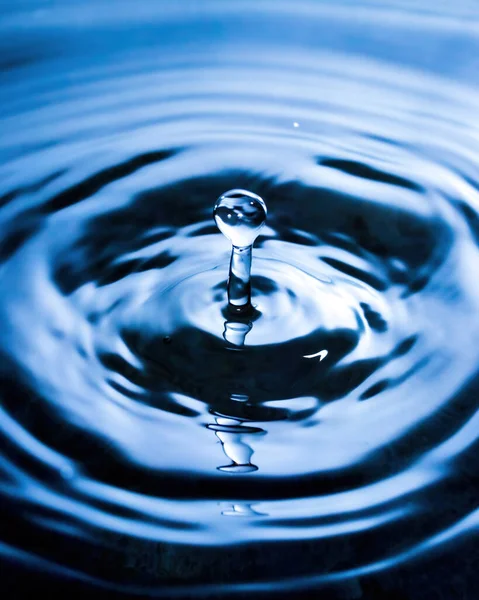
[231,434]
[241,509]
[246,213]
[230,430]
[235,332]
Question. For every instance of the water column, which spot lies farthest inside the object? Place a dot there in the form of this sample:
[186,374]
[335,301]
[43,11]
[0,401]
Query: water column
[240,215]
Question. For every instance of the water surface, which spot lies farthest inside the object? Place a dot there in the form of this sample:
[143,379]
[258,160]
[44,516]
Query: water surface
[135,428]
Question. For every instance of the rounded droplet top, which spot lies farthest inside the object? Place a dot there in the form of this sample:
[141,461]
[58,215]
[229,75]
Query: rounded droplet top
[240,215]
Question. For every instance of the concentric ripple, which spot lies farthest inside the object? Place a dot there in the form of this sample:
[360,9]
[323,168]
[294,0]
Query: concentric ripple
[138,416]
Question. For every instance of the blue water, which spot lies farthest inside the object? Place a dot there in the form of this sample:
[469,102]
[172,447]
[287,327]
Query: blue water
[153,443]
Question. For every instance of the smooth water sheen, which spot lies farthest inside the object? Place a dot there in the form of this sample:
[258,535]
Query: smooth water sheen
[333,432]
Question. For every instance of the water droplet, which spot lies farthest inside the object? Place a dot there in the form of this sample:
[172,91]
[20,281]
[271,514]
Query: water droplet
[240,215]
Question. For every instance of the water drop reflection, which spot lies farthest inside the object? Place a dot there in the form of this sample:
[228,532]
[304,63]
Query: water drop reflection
[242,510]
[231,433]
[235,332]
